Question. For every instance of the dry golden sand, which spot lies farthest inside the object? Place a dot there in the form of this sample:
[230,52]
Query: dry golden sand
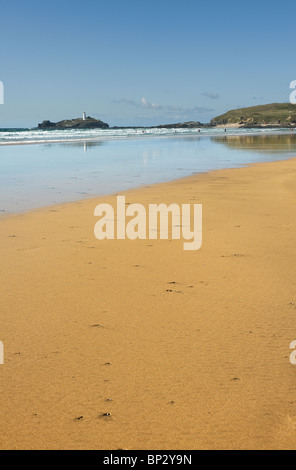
[204,366]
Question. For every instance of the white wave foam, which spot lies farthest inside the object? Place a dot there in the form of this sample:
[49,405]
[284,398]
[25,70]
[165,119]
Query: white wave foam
[54,136]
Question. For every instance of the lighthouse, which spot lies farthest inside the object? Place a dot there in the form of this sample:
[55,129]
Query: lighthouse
[84,117]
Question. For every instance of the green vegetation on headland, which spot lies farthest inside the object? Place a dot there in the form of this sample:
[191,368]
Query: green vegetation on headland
[268,115]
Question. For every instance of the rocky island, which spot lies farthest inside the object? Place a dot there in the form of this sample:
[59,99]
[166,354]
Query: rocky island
[79,123]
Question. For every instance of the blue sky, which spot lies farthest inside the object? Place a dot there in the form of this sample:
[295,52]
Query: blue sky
[132,63]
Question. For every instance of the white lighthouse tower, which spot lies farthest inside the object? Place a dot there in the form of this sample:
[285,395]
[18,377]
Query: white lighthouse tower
[84,117]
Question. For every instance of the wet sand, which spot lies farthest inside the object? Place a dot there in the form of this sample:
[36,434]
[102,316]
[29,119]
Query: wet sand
[141,345]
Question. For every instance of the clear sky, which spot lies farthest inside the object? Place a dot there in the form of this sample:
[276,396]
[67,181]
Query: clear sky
[132,62]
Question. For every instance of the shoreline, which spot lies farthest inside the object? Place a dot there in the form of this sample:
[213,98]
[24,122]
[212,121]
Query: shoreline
[16,201]
[184,350]
[155,136]
[141,187]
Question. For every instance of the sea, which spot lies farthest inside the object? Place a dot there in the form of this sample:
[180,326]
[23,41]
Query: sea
[42,168]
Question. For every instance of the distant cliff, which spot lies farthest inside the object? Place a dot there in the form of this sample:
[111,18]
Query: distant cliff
[269,115]
[182,125]
[89,123]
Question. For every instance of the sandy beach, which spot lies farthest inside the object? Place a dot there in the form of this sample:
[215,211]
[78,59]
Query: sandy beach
[184,350]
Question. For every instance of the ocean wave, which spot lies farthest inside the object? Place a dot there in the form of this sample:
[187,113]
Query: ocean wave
[33,136]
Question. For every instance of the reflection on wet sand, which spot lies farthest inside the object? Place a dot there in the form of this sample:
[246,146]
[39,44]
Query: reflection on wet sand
[81,144]
[275,144]
[86,144]
[35,176]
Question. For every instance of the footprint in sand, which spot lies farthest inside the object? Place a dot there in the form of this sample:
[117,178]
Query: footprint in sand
[79,418]
[174,291]
[106,416]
